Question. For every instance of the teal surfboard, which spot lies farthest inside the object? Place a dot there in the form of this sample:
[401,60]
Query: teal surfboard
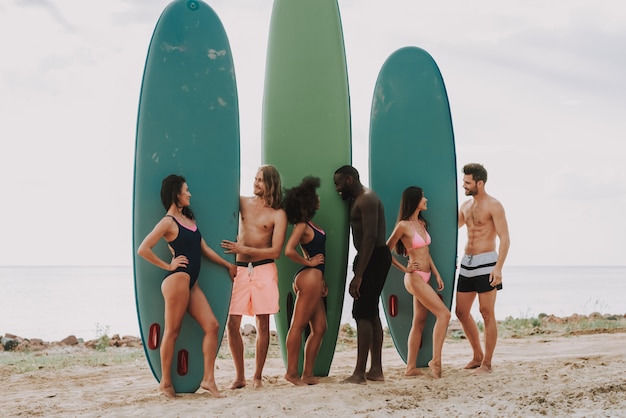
[412,144]
[306,131]
[188,124]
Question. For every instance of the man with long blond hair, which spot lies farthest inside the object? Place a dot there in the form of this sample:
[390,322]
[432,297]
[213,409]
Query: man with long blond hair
[262,229]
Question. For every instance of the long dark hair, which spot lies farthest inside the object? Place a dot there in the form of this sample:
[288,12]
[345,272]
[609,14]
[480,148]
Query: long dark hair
[171,186]
[411,198]
[300,202]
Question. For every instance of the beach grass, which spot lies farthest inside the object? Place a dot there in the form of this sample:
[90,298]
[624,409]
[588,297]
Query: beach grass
[61,357]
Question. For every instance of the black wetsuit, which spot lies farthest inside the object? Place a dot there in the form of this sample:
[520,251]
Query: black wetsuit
[187,243]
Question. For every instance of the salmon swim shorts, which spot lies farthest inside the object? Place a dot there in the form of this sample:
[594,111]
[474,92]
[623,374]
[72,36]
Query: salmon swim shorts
[255,289]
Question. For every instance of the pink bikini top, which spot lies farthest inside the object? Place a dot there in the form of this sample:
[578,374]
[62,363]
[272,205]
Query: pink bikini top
[418,241]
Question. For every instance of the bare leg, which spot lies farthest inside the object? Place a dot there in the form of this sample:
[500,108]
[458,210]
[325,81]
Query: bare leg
[487,303]
[376,368]
[301,313]
[201,311]
[176,296]
[235,343]
[308,285]
[434,304]
[364,343]
[262,346]
[313,343]
[294,343]
[415,338]
[464,301]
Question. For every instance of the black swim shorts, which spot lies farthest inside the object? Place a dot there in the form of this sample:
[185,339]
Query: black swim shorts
[474,273]
[374,276]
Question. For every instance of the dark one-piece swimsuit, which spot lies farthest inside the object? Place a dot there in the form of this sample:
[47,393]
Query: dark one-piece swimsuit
[314,247]
[187,243]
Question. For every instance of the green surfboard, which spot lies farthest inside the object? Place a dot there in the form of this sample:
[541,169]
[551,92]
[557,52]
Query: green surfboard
[188,124]
[412,144]
[306,131]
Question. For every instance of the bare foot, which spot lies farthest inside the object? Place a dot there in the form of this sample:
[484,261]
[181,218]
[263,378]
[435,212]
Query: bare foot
[310,380]
[168,391]
[474,364]
[257,383]
[413,371]
[295,380]
[375,376]
[211,387]
[356,379]
[483,369]
[435,369]
[237,384]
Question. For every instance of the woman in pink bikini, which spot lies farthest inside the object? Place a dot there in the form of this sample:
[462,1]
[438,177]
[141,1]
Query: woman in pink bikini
[411,239]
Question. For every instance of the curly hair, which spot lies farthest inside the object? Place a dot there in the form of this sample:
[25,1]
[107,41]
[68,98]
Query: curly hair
[300,202]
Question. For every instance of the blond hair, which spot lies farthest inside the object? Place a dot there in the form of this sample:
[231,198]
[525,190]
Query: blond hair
[273,190]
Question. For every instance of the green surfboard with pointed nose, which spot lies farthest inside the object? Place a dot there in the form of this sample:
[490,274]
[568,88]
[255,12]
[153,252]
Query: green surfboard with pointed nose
[306,131]
[412,144]
[187,124]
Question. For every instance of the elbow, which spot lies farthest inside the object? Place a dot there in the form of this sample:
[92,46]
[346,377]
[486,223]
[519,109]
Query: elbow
[289,252]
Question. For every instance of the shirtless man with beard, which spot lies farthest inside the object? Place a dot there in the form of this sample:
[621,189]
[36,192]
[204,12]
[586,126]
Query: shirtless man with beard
[480,272]
[262,230]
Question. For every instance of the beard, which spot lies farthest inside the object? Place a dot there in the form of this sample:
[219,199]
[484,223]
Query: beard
[345,195]
[470,192]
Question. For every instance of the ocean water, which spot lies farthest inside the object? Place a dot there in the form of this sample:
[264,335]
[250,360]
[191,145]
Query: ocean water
[53,302]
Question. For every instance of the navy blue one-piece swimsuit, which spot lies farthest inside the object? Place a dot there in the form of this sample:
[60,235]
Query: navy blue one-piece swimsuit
[187,243]
[314,247]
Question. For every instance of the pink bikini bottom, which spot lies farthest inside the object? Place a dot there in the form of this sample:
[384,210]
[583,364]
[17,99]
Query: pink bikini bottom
[425,276]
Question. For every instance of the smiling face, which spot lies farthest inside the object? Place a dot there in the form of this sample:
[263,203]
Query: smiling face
[342,186]
[184,196]
[259,184]
[423,204]
[470,185]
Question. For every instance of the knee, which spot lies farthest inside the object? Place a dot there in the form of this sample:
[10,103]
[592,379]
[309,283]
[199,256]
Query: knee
[171,332]
[319,329]
[263,329]
[419,323]
[445,316]
[212,327]
[461,313]
[487,314]
[232,327]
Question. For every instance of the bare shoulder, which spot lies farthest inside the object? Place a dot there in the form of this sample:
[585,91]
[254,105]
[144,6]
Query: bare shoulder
[494,204]
[245,201]
[166,221]
[368,199]
[165,226]
[280,214]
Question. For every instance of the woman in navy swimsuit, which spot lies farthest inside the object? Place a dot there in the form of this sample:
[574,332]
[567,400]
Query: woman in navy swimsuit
[301,203]
[180,289]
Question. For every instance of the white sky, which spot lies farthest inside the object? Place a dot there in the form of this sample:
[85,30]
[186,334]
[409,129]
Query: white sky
[537,93]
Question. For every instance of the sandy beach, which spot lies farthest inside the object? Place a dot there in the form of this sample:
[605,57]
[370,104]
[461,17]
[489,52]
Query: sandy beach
[554,374]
